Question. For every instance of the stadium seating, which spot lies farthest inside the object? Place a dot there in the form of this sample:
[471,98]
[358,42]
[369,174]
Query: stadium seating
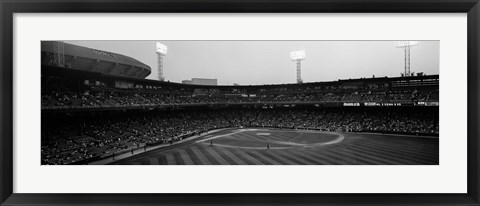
[98,97]
[84,120]
[66,142]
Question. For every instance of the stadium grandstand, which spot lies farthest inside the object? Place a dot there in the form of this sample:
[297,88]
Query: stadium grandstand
[97,105]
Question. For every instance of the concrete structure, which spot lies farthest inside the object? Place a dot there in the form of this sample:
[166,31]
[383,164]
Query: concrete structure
[201,81]
[187,81]
[70,56]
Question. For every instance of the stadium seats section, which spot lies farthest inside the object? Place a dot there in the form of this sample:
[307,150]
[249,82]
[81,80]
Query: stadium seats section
[70,139]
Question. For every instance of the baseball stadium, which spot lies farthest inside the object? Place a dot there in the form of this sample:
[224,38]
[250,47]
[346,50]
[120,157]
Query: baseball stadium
[98,108]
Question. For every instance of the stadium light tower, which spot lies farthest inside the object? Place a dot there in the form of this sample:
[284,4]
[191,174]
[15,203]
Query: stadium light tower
[406,45]
[161,51]
[298,56]
[58,53]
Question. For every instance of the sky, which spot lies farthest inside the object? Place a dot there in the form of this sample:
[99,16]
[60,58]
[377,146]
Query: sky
[268,62]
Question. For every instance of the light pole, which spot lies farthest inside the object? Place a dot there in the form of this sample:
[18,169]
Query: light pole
[298,56]
[161,51]
[406,45]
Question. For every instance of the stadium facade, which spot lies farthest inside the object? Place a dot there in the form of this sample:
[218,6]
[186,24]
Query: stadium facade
[56,53]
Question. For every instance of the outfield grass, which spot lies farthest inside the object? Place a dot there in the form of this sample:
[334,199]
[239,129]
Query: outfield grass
[294,147]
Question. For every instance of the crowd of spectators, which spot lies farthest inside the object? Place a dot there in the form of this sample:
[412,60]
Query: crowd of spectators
[59,92]
[79,139]
[119,98]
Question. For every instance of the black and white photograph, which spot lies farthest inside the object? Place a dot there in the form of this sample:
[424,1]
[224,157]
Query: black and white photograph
[189,102]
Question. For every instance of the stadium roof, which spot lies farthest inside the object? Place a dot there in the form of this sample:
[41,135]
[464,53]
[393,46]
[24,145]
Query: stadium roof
[94,60]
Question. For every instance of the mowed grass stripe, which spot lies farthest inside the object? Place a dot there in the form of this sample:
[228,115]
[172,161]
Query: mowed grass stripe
[319,157]
[413,144]
[227,158]
[332,156]
[389,139]
[194,157]
[153,161]
[178,158]
[272,154]
[201,156]
[233,157]
[381,158]
[212,153]
[406,156]
[280,158]
[348,156]
[170,158]
[293,157]
[351,158]
[162,159]
[402,150]
[244,152]
[246,158]
[262,158]
[185,157]
[304,155]
[432,153]
[211,158]
[365,158]
[369,155]
[413,156]
[144,162]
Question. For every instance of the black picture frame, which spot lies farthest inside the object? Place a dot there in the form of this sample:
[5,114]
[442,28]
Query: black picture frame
[10,7]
